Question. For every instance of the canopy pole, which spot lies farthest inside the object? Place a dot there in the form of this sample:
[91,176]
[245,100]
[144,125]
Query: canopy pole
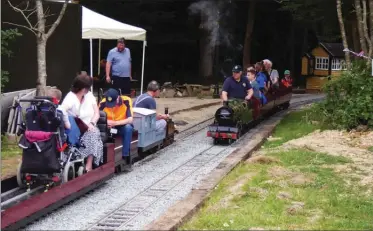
[142,69]
[91,60]
[99,57]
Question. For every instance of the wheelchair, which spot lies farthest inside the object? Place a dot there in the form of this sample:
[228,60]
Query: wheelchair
[48,158]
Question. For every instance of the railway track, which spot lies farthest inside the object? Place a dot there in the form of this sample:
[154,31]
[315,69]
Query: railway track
[125,217]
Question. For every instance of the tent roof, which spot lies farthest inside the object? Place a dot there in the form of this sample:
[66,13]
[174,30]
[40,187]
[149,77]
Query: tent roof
[97,26]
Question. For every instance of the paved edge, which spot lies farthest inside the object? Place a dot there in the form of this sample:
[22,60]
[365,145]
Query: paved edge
[183,210]
[197,107]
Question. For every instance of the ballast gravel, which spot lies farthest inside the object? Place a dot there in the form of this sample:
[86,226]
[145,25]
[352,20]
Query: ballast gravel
[82,213]
[118,190]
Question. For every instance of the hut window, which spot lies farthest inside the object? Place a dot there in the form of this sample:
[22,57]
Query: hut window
[338,64]
[343,65]
[322,63]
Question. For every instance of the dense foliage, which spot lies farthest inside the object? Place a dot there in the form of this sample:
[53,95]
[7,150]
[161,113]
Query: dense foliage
[7,36]
[349,99]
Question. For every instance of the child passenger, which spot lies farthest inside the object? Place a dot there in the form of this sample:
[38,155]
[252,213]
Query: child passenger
[287,81]
[256,100]
[56,95]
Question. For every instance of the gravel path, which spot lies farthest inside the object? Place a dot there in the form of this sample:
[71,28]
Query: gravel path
[84,212]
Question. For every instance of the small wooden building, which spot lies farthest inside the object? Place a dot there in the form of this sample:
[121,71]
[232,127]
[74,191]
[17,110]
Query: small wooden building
[325,61]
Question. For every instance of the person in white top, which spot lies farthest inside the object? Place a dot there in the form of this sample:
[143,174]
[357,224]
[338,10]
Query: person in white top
[273,73]
[81,103]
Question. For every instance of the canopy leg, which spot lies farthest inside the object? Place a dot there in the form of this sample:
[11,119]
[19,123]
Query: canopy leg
[143,64]
[91,61]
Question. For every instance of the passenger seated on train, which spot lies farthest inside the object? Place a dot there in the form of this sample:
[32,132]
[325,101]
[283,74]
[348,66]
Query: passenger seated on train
[261,78]
[257,99]
[236,86]
[119,116]
[287,81]
[56,95]
[147,101]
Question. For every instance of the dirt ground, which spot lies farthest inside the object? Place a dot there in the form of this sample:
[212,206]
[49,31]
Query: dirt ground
[184,120]
[353,145]
[175,104]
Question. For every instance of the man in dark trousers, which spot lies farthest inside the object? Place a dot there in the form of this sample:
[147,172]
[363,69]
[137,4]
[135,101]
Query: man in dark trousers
[120,66]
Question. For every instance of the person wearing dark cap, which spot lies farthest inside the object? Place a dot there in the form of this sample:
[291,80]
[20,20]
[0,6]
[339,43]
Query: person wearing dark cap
[147,101]
[237,86]
[119,116]
[118,63]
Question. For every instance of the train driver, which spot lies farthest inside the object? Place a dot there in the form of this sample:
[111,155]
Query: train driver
[237,86]
[147,101]
[119,117]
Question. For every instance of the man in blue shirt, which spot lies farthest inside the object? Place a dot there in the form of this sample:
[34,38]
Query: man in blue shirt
[147,101]
[119,65]
[236,86]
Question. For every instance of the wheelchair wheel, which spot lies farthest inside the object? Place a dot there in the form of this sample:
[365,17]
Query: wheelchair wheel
[68,172]
[80,171]
[20,176]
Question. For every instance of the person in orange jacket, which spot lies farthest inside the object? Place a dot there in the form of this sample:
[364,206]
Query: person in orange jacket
[119,114]
[287,81]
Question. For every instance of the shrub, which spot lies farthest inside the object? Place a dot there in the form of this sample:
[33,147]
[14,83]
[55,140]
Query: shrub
[7,36]
[349,98]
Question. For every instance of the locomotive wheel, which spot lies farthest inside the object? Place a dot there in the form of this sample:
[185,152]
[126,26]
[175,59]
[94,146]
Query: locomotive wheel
[20,176]
[68,172]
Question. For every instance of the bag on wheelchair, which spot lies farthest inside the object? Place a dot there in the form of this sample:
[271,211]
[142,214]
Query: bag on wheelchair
[43,138]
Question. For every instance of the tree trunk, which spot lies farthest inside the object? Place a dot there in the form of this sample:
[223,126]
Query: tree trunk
[343,32]
[292,50]
[359,18]
[370,54]
[354,35]
[41,82]
[366,30]
[206,53]
[249,31]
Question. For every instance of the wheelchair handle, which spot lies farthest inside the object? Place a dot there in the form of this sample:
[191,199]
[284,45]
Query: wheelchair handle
[36,101]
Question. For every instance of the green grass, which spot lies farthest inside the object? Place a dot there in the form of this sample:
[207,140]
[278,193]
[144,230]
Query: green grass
[9,150]
[294,125]
[370,149]
[328,202]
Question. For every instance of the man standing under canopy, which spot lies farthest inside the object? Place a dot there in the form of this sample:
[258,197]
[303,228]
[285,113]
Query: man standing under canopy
[119,65]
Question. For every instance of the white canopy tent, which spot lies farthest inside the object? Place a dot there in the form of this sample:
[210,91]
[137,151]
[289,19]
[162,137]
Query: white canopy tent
[97,26]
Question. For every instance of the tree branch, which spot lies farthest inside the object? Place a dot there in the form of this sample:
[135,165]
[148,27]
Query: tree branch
[22,26]
[57,22]
[23,14]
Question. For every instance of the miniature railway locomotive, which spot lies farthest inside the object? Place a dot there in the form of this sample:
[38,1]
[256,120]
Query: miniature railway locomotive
[226,125]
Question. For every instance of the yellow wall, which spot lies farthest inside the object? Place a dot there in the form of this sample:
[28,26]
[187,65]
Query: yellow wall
[304,66]
[319,52]
[316,83]
[336,73]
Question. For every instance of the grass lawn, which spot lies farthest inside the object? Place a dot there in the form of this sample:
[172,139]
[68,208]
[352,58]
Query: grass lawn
[10,156]
[286,189]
